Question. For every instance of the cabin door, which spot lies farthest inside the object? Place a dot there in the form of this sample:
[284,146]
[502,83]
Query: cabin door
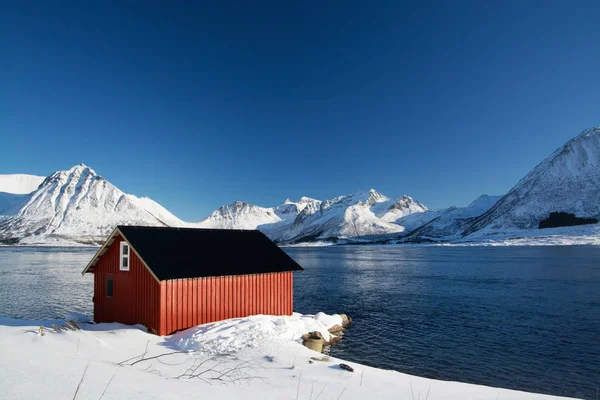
[109,298]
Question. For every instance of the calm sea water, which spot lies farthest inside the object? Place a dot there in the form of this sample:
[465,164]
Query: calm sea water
[525,318]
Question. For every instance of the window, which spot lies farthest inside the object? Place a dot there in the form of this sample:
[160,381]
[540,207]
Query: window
[109,286]
[124,266]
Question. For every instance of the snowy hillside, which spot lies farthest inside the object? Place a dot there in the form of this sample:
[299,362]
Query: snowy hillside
[568,180]
[78,205]
[19,183]
[359,214]
[451,222]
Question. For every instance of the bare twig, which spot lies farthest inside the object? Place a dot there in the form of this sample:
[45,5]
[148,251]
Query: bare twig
[412,394]
[191,371]
[312,387]
[141,357]
[81,381]
[298,388]
[342,392]
[155,357]
[242,371]
[323,388]
[235,369]
[427,397]
[109,381]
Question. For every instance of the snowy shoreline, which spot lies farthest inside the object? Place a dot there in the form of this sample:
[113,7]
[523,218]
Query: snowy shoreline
[504,241]
[258,357]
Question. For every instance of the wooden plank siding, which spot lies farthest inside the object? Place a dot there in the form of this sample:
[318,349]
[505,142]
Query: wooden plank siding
[136,294]
[195,301]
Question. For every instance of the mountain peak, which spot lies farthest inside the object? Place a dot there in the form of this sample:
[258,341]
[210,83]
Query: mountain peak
[76,172]
[588,132]
[566,181]
[408,203]
[376,197]
[305,199]
[80,168]
[77,204]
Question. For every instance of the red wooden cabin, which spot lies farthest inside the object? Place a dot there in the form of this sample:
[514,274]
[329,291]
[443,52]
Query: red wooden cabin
[170,279]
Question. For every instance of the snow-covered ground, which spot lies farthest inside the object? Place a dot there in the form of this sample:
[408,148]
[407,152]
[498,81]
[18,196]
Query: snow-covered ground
[563,236]
[257,357]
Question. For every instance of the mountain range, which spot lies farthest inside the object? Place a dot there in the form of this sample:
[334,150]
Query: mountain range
[79,206]
[360,214]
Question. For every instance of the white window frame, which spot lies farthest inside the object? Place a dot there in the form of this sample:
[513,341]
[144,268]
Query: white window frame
[123,256]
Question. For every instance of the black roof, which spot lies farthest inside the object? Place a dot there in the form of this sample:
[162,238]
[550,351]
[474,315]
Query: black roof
[174,253]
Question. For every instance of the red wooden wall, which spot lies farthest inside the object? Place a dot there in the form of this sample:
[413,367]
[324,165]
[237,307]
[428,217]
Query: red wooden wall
[136,294]
[178,304]
[190,302]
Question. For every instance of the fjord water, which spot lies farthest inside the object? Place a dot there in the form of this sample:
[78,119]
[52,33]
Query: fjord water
[525,318]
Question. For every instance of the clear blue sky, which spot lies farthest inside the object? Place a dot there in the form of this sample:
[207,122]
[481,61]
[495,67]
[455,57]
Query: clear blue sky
[206,104]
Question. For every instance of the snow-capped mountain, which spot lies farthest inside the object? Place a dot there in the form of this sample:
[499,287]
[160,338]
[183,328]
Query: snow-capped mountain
[19,183]
[359,214]
[341,217]
[78,205]
[239,215]
[411,222]
[451,222]
[390,210]
[14,189]
[568,181]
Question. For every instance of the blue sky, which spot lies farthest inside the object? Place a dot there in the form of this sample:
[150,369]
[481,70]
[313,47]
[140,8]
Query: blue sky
[203,105]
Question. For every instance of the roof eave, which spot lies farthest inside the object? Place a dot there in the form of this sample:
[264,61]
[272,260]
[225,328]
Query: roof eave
[104,247]
[100,251]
